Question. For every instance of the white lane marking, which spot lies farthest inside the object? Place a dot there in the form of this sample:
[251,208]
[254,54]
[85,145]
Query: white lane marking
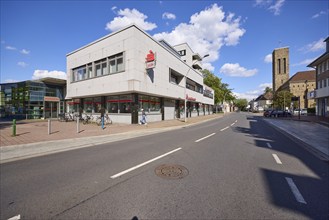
[269,145]
[277,159]
[295,190]
[143,164]
[236,121]
[205,137]
[17,217]
[224,128]
[233,124]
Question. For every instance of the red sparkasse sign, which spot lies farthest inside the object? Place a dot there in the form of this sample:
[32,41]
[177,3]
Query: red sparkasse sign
[150,57]
[150,60]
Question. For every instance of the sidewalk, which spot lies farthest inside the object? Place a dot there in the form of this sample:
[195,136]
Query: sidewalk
[312,131]
[32,137]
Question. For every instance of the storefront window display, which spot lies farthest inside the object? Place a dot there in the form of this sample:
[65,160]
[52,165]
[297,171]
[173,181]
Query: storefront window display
[88,105]
[149,103]
[119,104]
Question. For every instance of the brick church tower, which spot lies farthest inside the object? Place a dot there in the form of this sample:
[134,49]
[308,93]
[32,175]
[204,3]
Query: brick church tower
[280,67]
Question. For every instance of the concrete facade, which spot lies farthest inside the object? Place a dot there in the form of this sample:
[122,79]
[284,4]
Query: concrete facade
[111,73]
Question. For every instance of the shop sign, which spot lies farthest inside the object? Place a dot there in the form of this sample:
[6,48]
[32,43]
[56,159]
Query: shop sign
[50,99]
[190,98]
[150,60]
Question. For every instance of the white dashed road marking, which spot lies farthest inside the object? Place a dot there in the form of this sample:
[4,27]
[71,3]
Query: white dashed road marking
[205,137]
[268,145]
[17,217]
[277,159]
[143,164]
[295,190]
[224,128]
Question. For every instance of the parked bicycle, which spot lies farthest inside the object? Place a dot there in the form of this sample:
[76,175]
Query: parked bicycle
[62,117]
[107,120]
[87,119]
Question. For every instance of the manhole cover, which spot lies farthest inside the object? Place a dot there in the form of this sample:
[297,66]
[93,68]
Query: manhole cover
[171,171]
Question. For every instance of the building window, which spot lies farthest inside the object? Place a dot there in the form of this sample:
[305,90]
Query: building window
[116,63]
[284,65]
[102,67]
[175,77]
[119,104]
[279,66]
[324,83]
[151,104]
[182,52]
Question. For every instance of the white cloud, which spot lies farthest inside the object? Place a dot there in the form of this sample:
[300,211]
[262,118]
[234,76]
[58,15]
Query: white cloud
[268,58]
[22,64]
[225,31]
[319,14]
[253,94]
[235,70]
[264,85]
[127,17]
[10,48]
[168,16]
[38,74]
[249,95]
[24,51]
[314,46]
[276,8]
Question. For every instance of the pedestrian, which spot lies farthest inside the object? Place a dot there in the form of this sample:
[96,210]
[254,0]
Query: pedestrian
[143,121]
[102,117]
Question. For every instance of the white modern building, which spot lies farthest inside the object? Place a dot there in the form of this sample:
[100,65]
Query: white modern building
[321,93]
[128,70]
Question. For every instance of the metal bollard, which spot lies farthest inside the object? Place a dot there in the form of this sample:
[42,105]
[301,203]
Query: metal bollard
[78,125]
[14,128]
[49,126]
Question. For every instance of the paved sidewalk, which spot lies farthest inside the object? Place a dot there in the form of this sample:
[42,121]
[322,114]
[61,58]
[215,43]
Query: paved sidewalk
[313,133]
[32,138]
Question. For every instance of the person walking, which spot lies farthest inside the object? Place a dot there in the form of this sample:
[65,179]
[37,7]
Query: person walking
[143,121]
[102,116]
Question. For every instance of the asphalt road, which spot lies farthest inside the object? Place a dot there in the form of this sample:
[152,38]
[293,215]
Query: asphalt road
[236,167]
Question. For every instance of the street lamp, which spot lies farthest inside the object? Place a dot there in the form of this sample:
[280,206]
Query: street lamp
[185,118]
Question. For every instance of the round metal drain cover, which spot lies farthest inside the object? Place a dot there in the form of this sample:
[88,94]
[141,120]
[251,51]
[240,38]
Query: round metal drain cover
[171,171]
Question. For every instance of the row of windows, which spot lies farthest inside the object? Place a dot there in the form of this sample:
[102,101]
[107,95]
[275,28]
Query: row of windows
[324,66]
[323,83]
[109,65]
[115,104]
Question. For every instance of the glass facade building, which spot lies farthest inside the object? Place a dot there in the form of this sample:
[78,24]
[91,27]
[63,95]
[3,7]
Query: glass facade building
[28,99]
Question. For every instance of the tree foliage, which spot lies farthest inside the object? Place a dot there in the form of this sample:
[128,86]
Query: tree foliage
[282,99]
[241,104]
[221,90]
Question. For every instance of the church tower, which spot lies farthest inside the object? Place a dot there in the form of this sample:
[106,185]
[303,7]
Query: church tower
[280,67]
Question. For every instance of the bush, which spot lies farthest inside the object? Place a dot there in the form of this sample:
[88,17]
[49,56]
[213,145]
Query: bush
[311,110]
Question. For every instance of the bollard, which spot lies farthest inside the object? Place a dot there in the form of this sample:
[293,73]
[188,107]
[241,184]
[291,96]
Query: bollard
[49,127]
[78,125]
[14,128]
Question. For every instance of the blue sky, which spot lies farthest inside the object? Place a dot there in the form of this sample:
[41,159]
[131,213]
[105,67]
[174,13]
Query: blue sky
[239,36]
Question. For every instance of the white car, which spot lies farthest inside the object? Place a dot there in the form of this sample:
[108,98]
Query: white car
[302,112]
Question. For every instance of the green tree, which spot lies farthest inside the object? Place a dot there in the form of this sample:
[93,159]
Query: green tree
[282,99]
[268,89]
[221,90]
[241,104]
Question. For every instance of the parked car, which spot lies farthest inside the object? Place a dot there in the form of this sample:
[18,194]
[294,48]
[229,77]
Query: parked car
[280,113]
[267,113]
[303,111]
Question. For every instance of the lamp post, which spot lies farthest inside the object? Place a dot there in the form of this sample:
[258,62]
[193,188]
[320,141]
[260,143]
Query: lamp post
[185,118]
